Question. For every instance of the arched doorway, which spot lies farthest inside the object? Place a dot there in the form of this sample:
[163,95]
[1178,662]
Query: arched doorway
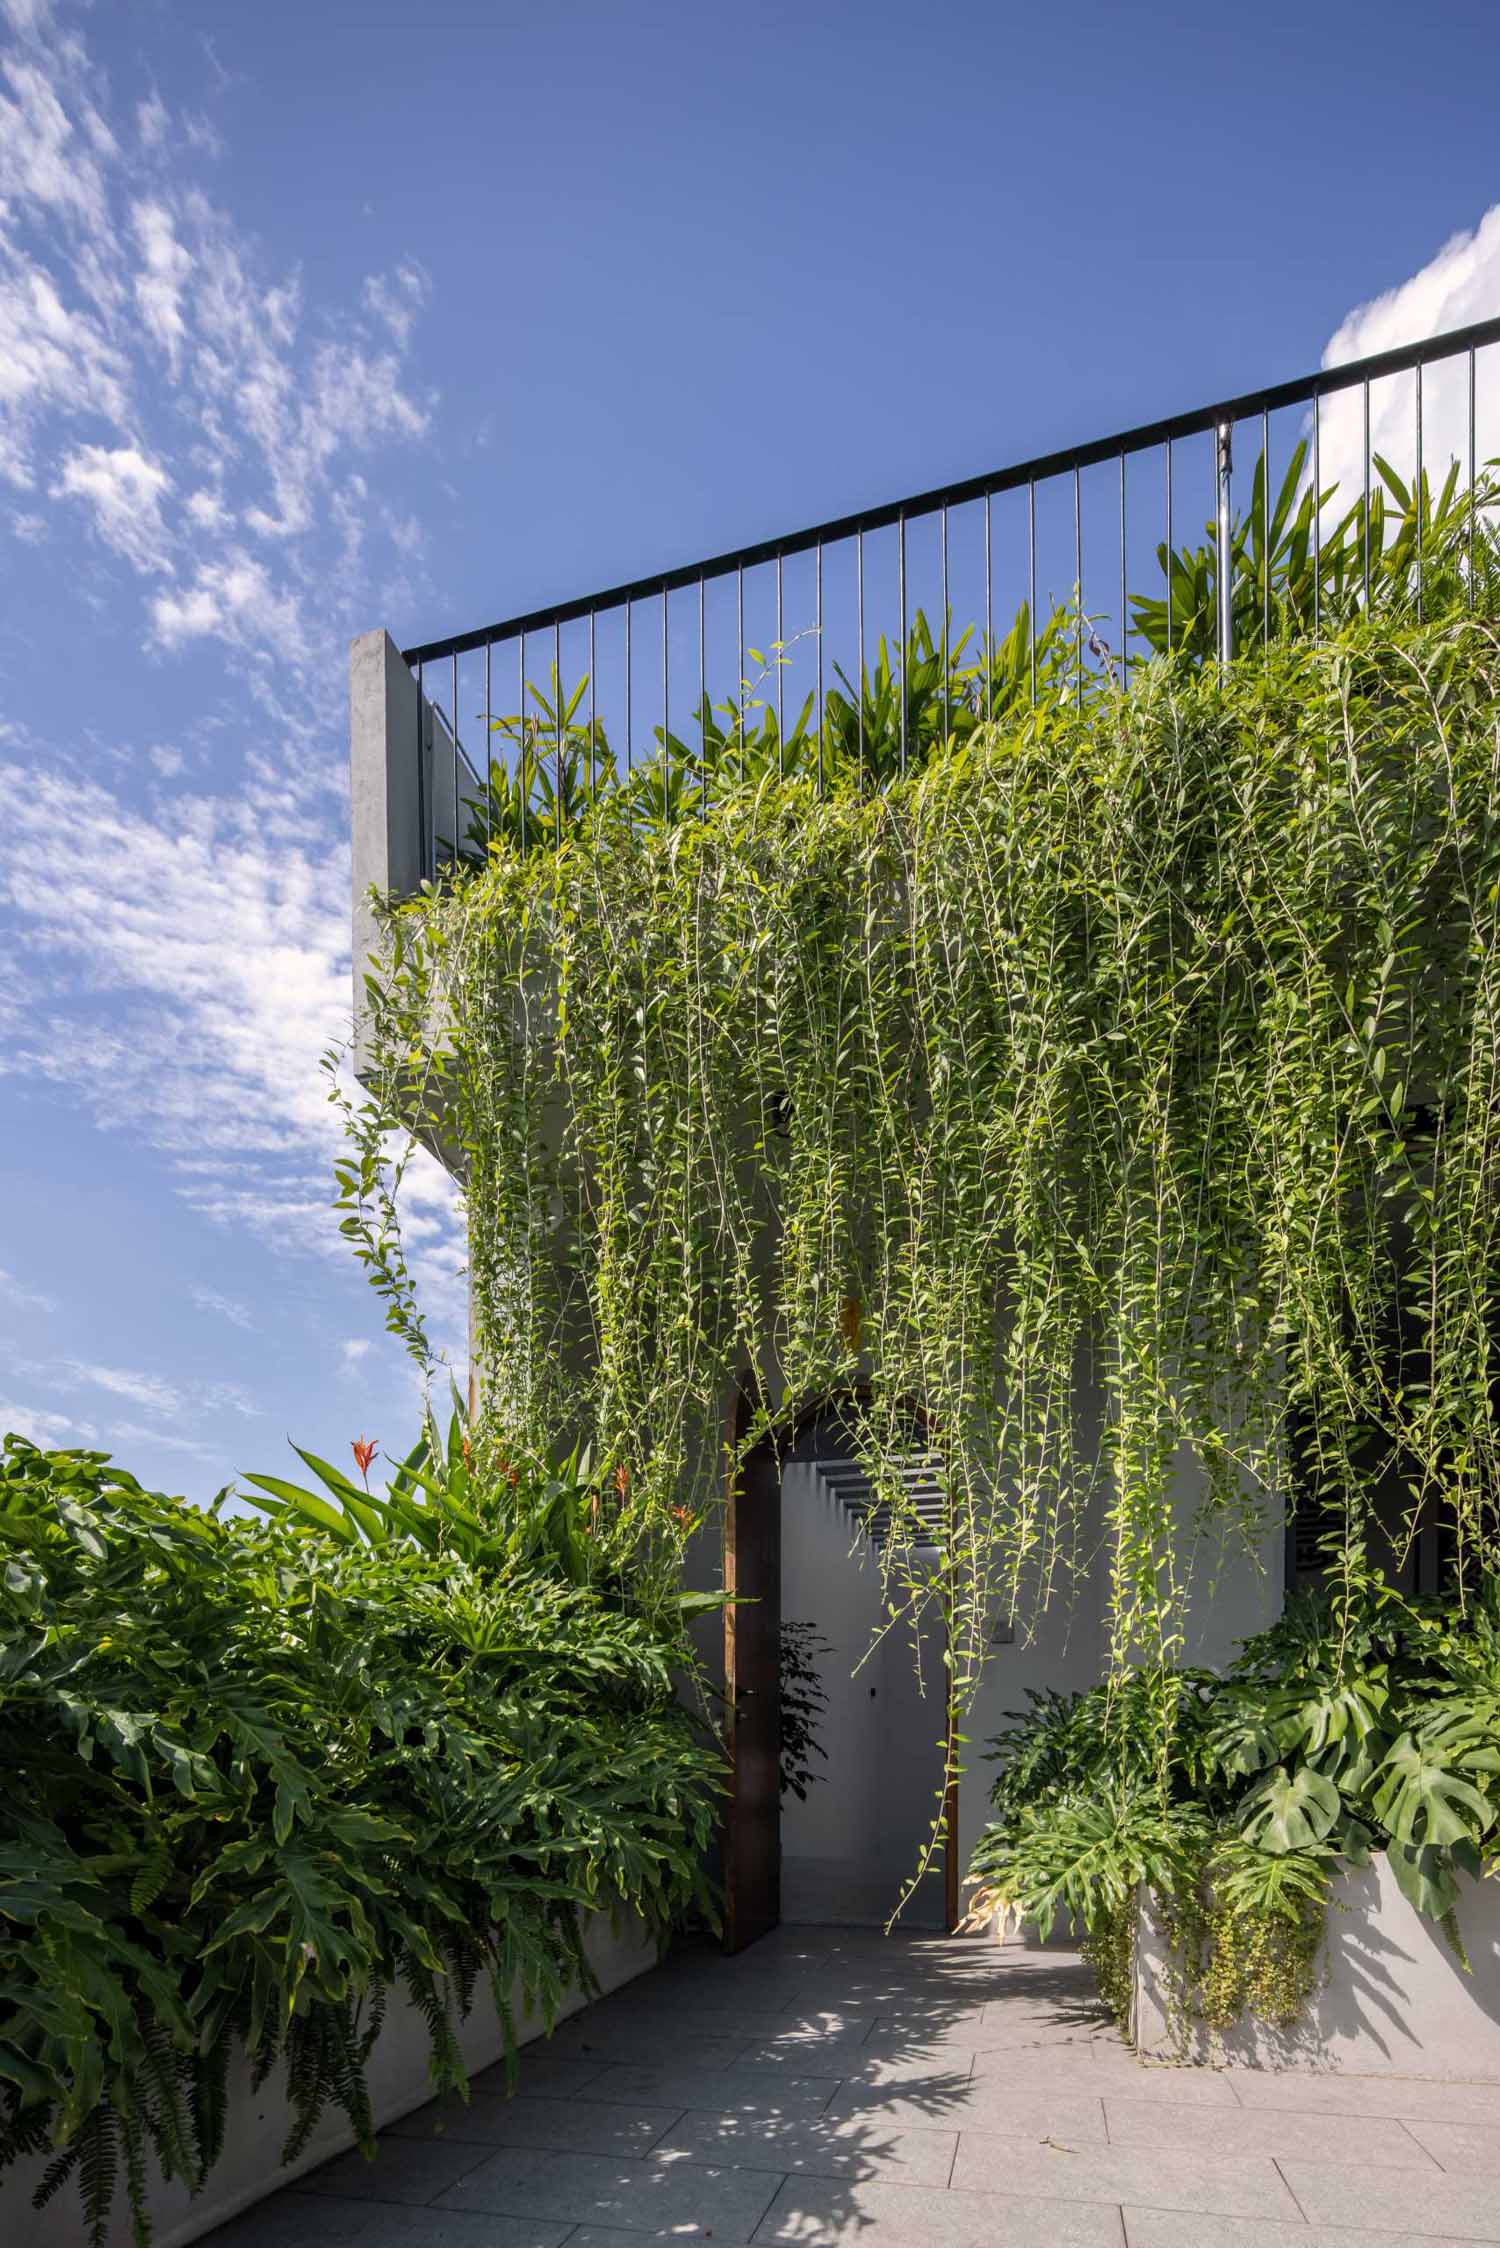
[801,1538]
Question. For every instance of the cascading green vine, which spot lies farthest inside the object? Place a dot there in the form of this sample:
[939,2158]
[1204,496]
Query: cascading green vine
[1134,1063]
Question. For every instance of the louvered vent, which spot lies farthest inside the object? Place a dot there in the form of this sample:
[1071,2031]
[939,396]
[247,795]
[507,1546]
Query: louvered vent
[926,1501]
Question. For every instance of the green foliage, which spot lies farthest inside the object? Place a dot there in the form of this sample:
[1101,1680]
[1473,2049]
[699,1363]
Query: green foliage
[257,1773]
[1362,1719]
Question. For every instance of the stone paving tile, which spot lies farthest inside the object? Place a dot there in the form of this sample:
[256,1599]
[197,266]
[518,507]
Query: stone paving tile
[738,2091]
[1460,2146]
[1171,2228]
[1413,2097]
[813,2148]
[539,2074]
[823,2213]
[971,2105]
[1274,2131]
[410,2170]
[1463,2206]
[675,2198]
[1167,2177]
[650,2038]
[580,2126]
[296,2220]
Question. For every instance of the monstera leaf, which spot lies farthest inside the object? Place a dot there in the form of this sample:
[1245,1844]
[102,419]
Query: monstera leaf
[1424,1803]
[1290,1810]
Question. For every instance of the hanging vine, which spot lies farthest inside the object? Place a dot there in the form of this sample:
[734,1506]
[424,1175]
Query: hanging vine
[1137,1068]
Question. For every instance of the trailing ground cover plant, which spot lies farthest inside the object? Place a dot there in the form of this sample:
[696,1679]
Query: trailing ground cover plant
[1362,1720]
[258,1775]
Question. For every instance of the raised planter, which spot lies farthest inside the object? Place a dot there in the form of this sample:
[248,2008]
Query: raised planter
[1394,2000]
[250,2166]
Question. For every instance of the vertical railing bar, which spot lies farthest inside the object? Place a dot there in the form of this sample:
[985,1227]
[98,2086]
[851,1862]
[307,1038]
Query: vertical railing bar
[1265,533]
[453,698]
[1473,503]
[629,711]
[1419,497]
[780,652]
[423,792]
[739,693]
[522,789]
[943,525]
[1124,614]
[702,703]
[859,581]
[489,753]
[1223,544]
[1078,576]
[1365,540]
[989,613]
[1171,557]
[819,568]
[1031,580]
[1317,516]
[666,708]
[557,719]
[901,589]
[593,703]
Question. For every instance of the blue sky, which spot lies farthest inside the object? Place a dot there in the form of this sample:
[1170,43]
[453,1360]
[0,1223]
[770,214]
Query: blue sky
[319,317]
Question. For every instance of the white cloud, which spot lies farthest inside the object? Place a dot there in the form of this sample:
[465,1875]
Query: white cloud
[223,1307]
[148,1391]
[1458,285]
[397,298]
[125,491]
[53,357]
[163,277]
[53,1432]
[19,1298]
[235,599]
[355,1351]
[29,529]
[152,120]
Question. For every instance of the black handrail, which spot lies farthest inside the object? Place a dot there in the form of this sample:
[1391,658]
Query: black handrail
[1302,391]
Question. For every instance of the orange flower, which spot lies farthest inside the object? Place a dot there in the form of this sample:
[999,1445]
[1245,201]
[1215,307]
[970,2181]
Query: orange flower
[622,1480]
[468,1451]
[364,1449]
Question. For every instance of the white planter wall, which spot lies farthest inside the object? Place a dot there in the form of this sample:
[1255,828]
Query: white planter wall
[250,2165]
[1394,1998]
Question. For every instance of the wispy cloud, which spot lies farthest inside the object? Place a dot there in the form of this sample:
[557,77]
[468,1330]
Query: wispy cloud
[147,1391]
[223,1307]
[15,1297]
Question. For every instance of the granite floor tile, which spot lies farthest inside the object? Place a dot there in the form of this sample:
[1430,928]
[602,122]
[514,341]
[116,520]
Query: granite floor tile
[1413,2097]
[1163,2177]
[539,2073]
[739,2091]
[1462,2207]
[822,2213]
[676,2199]
[964,2105]
[410,2170]
[651,2038]
[1274,2131]
[572,2126]
[1172,2228]
[813,2148]
[296,2220]
[1460,2146]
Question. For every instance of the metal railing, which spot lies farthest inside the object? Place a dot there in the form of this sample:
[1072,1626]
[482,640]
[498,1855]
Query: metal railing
[800,607]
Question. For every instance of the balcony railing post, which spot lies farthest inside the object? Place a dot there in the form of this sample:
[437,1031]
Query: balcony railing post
[1224,555]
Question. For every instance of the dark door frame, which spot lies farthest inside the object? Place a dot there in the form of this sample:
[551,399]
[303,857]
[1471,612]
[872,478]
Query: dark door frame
[745,1917]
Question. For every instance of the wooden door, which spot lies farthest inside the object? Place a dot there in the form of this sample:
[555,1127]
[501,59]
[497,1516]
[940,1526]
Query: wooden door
[752,1684]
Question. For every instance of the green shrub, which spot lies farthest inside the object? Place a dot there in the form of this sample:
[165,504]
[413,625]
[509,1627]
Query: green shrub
[1362,1720]
[253,1775]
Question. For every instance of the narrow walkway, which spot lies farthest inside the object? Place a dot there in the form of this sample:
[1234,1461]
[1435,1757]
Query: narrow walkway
[831,2085]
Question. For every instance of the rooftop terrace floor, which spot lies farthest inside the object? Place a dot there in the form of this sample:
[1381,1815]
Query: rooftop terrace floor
[832,2085]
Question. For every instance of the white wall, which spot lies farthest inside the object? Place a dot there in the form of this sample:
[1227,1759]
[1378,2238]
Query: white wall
[848,1850]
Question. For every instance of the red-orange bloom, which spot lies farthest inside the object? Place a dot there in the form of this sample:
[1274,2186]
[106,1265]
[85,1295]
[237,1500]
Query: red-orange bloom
[364,1449]
[622,1480]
